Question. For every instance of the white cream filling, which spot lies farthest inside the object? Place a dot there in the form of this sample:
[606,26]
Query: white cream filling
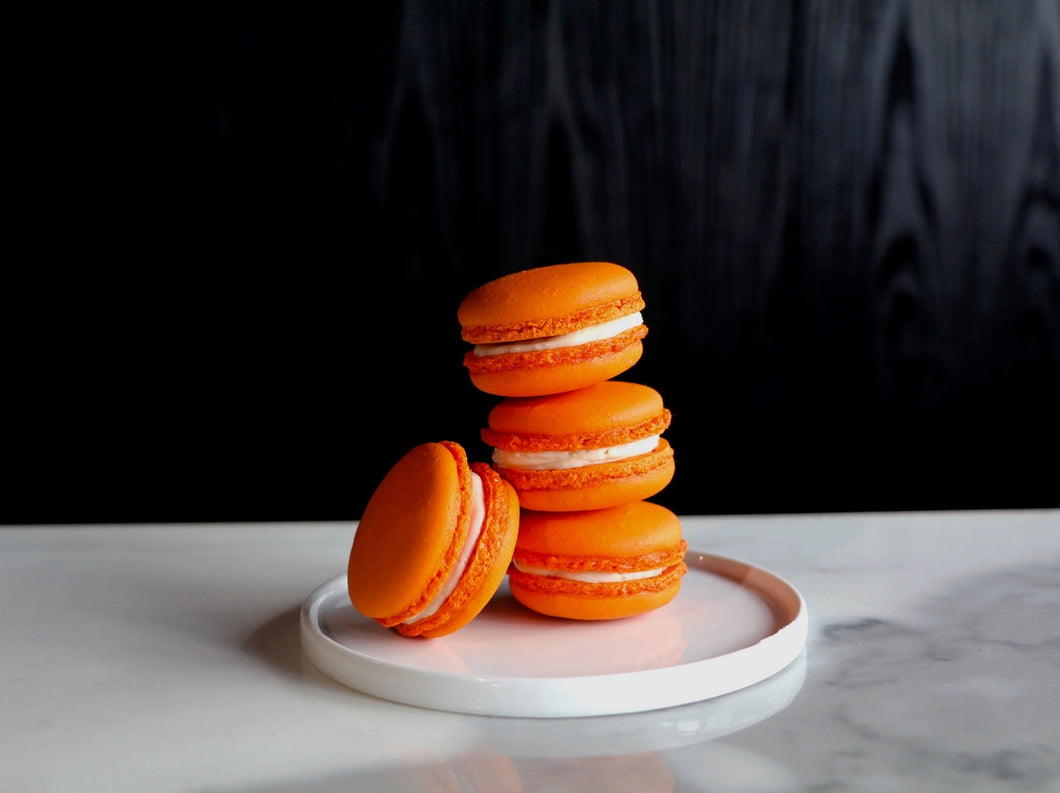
[588,576]
[478,517]
[554,460]
[604,330]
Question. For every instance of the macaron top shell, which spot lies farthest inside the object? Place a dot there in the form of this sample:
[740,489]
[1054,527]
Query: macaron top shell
[633,531]
[410,533]
[601,415]
[548,301]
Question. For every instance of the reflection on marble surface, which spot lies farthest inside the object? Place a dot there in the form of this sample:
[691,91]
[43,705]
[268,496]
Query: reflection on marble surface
[654,731]
[964,697]
[608,753]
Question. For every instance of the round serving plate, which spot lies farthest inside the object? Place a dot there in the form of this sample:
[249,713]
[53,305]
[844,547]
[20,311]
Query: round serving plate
[732,625]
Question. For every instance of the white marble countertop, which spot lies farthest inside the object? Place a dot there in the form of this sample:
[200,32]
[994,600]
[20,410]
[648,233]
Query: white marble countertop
[167,658]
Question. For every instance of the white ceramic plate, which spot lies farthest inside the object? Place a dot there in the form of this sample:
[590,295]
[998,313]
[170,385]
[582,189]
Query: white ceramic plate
[730,626]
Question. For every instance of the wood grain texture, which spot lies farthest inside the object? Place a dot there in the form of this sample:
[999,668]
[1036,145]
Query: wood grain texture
[843,215]
[845,218]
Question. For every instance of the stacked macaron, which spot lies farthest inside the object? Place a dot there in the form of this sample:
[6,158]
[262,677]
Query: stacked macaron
[582,449]
[561,510]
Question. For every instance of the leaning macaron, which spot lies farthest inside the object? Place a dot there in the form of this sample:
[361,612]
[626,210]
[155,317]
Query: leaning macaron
[552,329]
[598,564]
[592,448]
[433,543]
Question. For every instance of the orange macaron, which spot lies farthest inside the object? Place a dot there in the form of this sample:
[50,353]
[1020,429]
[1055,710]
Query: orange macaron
[552,329]
[434,542]
[592,448]
[598,564]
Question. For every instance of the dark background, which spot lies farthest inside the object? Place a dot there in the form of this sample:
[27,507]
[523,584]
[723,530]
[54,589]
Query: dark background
[844,217]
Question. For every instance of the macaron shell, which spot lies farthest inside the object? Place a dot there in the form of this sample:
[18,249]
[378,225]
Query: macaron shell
[486,567]
[410,532]
[604,414]
[593,487]
[571,605]
[569,369]
[628,531]
[546,301]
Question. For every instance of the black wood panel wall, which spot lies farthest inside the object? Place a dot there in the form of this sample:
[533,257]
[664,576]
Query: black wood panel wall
[845,219]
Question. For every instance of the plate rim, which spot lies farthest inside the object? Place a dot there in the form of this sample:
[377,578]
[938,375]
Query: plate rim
[576,695]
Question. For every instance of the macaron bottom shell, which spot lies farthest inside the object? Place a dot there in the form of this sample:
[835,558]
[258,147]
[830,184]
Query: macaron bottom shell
[575,600]
[538,374]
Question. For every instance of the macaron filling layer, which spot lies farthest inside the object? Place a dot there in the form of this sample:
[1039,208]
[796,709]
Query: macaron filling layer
[604,330]
[588,576]
[558,460]
[477,520]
